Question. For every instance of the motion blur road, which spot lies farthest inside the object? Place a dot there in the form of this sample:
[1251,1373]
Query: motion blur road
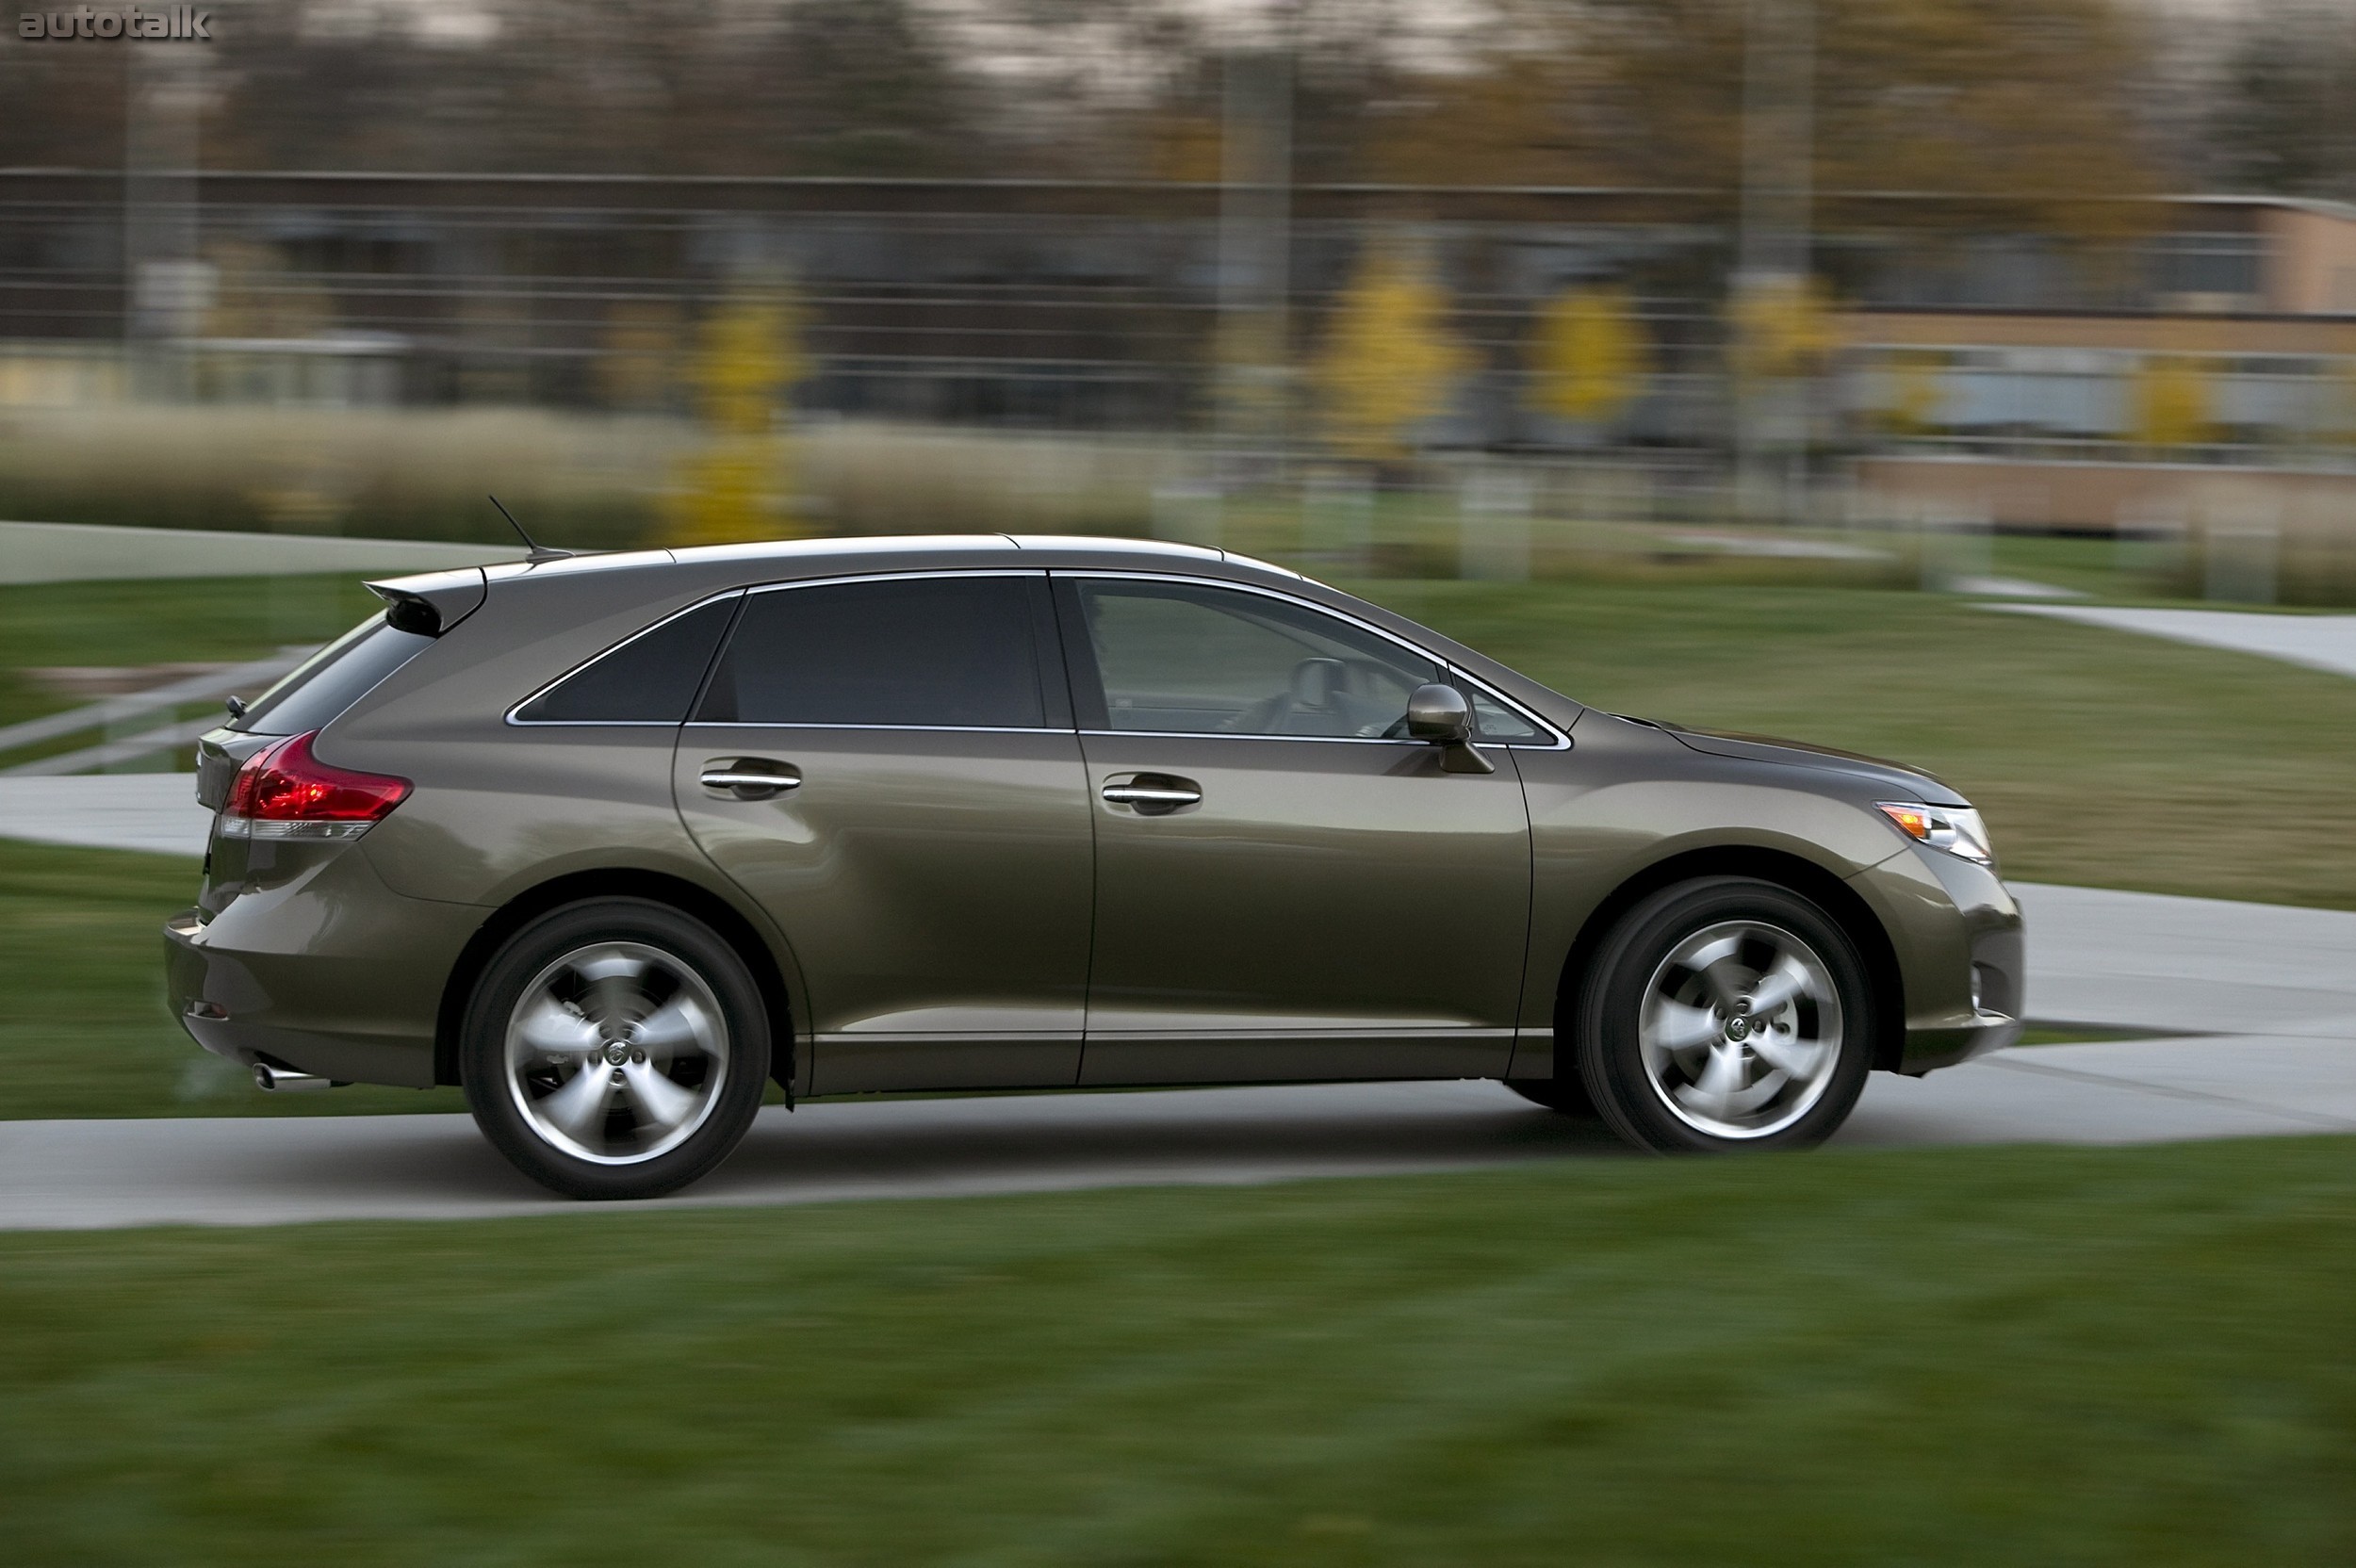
[2263,1001]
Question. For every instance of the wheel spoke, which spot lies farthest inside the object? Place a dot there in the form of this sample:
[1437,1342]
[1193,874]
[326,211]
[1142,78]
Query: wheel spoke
[1711,1092]
[579,1108]
[1785,980]
[1678,1026]
[615,989]
[550,1028]
[1794,1058]
[1715,962]
[680,1024]
[662,1103]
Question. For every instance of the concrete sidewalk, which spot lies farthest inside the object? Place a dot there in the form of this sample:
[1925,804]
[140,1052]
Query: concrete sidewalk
[2189,965]
[90,1175]
[156,812]
[2318,642]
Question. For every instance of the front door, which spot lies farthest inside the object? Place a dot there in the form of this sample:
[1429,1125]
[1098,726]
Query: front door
[1285,886]
[887,766]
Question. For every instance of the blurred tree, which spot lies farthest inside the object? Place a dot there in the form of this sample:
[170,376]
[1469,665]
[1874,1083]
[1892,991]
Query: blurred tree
[1782,327]
[635,367]
[254,297]
[1592,356]
[64,104]
[1389,362]
[2170,401]
[816,86]
[749,358]
[2284,116]
[1916,391]
[2024,104]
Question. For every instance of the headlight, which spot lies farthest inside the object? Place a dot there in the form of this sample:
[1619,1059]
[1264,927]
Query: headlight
[1956,829]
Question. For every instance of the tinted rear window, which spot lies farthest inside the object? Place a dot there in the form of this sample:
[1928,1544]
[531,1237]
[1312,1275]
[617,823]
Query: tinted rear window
[331,679]
[934,651]
[650,679]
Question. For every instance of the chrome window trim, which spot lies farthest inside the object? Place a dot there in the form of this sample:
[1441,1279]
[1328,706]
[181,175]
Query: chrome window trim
[1560,742]
[908,729]
[1322,739]
[891,577]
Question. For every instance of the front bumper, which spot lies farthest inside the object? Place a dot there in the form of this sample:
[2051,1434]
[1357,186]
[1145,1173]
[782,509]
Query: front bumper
[1957,936]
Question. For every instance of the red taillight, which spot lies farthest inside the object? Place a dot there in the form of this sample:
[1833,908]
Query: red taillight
[285,785]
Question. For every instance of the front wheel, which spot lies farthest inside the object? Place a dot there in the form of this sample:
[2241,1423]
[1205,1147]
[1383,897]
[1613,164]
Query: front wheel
[614,1049]
[1726,1013]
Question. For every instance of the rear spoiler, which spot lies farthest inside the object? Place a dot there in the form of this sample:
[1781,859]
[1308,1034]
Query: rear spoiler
[430,603]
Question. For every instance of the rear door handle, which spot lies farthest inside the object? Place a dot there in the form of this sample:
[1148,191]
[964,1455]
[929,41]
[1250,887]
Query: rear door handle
[749,777]
[1153,794]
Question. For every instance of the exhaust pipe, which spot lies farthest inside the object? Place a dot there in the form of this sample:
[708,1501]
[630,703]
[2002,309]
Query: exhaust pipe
[283,1080]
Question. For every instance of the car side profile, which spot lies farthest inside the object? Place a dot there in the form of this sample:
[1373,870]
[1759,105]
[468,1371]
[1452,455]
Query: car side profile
[615,841]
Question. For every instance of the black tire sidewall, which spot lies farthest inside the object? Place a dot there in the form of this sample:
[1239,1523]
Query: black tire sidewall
[481,1046]
[1610,1057]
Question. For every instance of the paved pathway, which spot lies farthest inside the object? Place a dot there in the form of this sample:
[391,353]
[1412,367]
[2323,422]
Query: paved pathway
[2195,965]
[68,1175]
[2318,642]
[152,812]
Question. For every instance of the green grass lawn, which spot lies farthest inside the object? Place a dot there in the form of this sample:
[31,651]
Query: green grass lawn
[87,1032]
[2100,758]
[1996,1356]
[224,621]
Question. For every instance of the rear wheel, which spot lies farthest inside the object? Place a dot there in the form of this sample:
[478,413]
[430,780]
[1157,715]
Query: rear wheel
[616,1049]
[1726,1013]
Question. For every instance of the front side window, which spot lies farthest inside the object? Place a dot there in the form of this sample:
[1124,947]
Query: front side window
[1494,721]
[1181,659]
[943,652]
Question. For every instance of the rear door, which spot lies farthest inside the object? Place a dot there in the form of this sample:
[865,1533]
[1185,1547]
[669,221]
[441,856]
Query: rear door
[888,765]
[1285,886]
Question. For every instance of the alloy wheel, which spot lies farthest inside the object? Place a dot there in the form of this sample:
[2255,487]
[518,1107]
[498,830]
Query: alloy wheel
[617,1052]
[1740,1029]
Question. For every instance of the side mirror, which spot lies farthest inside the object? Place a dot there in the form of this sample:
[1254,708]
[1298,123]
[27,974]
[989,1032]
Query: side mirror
[1440,715]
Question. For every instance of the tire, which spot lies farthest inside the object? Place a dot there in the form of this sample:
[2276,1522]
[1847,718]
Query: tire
[1671,1041]
[1566,1095]
[614,1049]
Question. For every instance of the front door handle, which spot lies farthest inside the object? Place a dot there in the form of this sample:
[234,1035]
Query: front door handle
[1153,794]
[749,777]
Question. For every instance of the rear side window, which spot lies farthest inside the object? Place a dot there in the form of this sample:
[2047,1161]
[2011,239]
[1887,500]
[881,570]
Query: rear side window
[939,652]
[650,679]
[331,681]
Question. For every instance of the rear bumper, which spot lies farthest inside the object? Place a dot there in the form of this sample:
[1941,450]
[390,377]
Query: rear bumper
[331,973]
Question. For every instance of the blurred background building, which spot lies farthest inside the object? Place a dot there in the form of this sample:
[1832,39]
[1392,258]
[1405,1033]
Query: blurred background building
[747,266]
